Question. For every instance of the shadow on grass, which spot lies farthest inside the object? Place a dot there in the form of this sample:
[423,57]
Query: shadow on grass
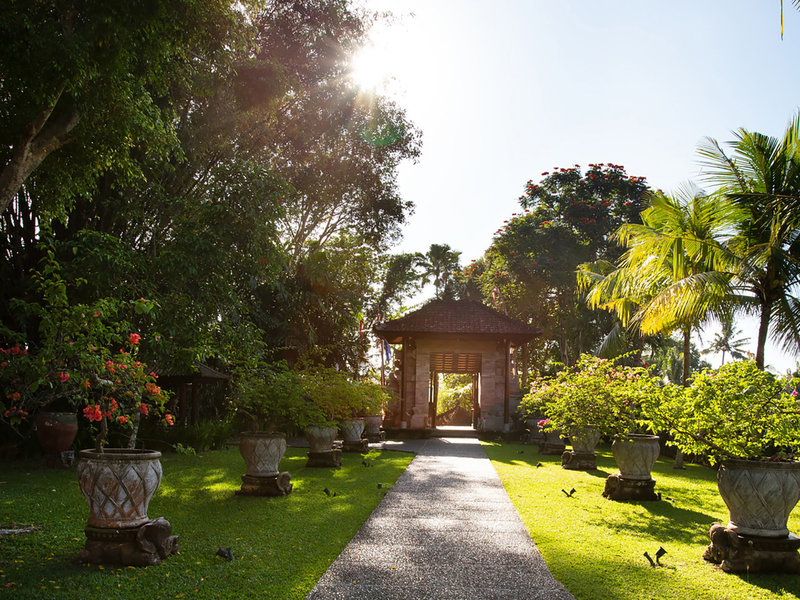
[281,545]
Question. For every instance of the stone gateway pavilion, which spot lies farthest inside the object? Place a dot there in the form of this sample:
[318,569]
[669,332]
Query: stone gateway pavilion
[455,336]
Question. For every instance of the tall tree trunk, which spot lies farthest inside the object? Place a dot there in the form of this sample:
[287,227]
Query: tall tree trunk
[687,368]
[687,356]
[763,328]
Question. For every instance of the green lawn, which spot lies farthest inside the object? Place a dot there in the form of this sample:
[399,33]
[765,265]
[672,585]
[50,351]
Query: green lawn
[595,546]
[281,545]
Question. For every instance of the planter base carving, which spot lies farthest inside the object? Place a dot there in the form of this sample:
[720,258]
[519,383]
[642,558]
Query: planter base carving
[736,553]
[142,546]
[551,448]
[269,485]
[620,488]
[361,445]
[331,458]
[374,438]
[579,461]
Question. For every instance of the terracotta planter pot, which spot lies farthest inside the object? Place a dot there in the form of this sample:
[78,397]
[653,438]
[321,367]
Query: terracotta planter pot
[352,430]
[373,425]
[262,452]
[635,455]
[56,431]
[118,485]
[585,440]
[320,439]
[759,495]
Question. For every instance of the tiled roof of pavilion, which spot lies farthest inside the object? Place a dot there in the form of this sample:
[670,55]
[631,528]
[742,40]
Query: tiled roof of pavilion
[447,317]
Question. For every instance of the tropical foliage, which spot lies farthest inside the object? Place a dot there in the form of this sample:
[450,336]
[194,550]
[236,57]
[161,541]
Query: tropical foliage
[213,159]
[529,270]
[675,272]
[736,411]
[761,176]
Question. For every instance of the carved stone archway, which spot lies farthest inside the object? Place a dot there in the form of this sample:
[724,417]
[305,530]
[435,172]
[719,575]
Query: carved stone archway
[453,334]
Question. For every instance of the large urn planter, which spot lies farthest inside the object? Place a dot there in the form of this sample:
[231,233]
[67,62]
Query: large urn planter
[56,431]
[635,455]
[118,485]
[553,444]
[759,495]
[372,428]
[351,436]
[582,456]
[262,454]
[321,452]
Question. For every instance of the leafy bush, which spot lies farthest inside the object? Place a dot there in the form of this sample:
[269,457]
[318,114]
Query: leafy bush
[208,435]
[596,393]
[736,411]
[272,397]
[338,397]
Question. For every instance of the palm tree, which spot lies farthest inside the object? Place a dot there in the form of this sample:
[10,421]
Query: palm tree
[438,265]
[761,176]
[675,271]
[728,341]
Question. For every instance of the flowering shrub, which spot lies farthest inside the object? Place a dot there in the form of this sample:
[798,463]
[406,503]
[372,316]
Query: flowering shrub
[736,411]
[596,393]
[84,360]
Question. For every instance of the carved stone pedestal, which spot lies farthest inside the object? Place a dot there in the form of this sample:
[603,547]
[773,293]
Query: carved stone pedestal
[361,445]
[737,553]
[620,488]
[142,546]
[374,438]
[552,448]
[579,461]
[330,458]
[270,485]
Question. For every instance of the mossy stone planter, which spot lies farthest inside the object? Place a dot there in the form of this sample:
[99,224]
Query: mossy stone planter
[582,456]
[118,485]
[351,434]
[760,495]
[321,452]
[262,454]
[56,431]
[635,454]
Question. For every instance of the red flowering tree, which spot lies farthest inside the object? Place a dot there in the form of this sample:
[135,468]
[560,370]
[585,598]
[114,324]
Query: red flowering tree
[529,270]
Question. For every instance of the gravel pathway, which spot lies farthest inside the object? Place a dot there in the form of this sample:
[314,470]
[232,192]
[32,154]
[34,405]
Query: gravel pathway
[446,530]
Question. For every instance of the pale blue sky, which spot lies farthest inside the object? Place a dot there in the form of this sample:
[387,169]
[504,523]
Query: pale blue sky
[506,89]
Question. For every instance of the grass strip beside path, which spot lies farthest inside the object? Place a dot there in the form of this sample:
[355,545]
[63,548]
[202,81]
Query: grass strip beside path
[282,546]
[595,546]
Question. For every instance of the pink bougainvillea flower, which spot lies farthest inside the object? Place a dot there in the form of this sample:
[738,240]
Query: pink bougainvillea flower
[122,419]
[134,338]
[169,419]
[63,376]
[143,409]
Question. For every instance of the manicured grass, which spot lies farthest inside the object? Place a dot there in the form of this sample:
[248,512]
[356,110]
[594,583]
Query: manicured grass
[595,546]
[281,545]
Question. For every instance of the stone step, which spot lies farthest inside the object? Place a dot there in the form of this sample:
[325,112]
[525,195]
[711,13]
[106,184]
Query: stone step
[454,431]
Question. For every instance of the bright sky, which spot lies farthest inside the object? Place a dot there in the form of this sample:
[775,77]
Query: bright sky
[506,89]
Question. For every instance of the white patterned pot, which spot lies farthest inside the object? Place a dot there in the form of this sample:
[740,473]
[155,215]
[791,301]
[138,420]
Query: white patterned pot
[352,430]
[760,495]
[584,440]
[373,424]
[636,454]
[320,439]
[262,452]
[118,485]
